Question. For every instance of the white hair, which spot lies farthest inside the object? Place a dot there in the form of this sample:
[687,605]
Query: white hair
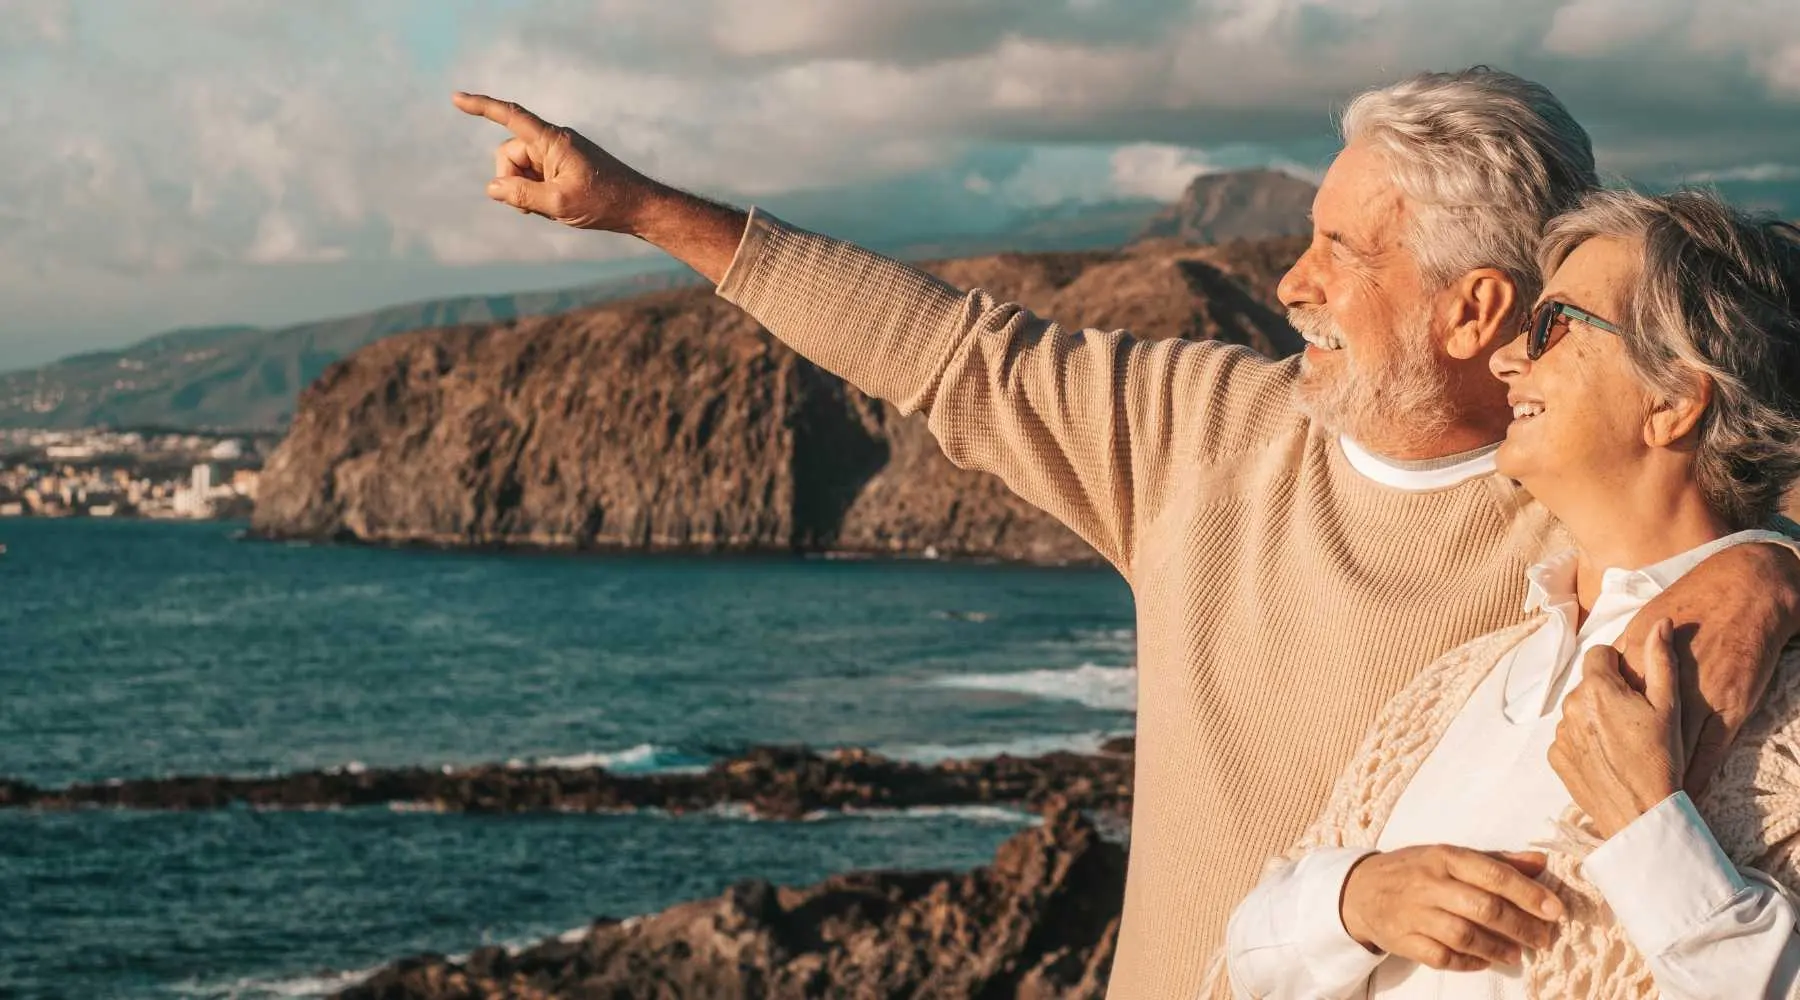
[1486,159]
[1716,297]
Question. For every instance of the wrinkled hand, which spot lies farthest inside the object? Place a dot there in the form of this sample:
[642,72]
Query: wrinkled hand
[1449,907]
[1619,751]
[1733,614]
[557,173]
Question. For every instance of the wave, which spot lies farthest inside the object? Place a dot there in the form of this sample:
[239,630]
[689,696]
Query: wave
[992,815]
[969,813]
[1117,640]
[306,987]
[645,758]
[1106,688]
[1023,746]
[951,615]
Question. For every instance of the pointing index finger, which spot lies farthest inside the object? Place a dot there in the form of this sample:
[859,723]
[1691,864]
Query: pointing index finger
[514,118]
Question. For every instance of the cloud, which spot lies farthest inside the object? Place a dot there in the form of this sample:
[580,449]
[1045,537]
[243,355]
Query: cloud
[1155,170]
[158,138]
[29,24]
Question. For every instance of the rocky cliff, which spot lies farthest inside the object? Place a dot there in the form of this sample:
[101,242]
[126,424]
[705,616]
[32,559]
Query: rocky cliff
[674,422]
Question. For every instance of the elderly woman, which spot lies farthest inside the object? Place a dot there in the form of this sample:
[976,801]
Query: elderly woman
[1656,412]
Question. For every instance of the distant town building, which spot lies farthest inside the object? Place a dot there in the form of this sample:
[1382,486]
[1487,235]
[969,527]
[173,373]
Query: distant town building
[243,482]
[107,473]
[228,450]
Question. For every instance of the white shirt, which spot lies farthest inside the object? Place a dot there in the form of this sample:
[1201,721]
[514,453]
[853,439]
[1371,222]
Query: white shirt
[1706,928]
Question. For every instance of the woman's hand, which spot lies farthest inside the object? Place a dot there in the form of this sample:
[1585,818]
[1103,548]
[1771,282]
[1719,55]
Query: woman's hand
[1618,751]
[1449,907]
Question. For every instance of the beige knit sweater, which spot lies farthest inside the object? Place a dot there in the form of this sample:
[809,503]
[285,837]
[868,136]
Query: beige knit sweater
[1752,806]
[1282,598]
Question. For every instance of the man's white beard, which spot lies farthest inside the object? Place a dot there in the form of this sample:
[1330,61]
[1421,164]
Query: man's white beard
[1401,403]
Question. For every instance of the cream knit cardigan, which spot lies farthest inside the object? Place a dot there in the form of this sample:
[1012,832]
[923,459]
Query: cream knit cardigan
[1752,806]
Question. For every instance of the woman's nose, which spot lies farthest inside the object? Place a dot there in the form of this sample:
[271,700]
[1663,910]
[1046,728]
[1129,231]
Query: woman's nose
[1510,362]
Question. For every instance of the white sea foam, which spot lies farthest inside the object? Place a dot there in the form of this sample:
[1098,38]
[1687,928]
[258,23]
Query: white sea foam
[320,984]
[1109,688]
[1118,640]
[1024,746]
[645,758]
[1002,815]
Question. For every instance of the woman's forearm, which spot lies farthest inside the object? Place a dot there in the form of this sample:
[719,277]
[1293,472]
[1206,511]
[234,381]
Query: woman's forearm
[1706,928]
[1285,941]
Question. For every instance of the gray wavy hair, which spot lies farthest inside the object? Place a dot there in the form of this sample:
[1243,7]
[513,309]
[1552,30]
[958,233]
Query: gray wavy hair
[1717,296]
[1487,159]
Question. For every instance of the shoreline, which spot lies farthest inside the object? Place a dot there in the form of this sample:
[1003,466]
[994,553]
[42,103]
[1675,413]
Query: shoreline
[768,782]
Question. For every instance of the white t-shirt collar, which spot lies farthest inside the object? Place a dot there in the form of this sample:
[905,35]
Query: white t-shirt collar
[1407,476]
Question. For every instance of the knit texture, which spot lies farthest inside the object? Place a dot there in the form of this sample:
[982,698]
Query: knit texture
[1752,807]
[1282,598]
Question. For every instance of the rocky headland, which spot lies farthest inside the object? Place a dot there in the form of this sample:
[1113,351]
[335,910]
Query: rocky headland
[1039,923]
[673,422]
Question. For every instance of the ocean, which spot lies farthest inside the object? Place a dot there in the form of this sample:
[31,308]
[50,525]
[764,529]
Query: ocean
[133,649]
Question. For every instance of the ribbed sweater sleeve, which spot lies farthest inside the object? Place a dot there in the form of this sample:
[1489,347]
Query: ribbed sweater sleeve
[1085,424]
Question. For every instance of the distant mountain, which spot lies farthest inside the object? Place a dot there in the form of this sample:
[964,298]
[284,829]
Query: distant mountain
[1236,205]
[1050,228]
[249,378]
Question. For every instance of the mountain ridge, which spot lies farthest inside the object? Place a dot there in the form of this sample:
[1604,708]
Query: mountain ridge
[232,377]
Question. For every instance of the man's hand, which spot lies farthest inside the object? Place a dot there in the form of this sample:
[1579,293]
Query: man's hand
[1618,750]
[1450,907]
[556,172]
[1733,614]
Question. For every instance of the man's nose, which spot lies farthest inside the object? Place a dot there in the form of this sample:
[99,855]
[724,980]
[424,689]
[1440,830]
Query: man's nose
[1299,286]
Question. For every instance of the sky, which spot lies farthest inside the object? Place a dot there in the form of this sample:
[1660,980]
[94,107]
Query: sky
[190,162]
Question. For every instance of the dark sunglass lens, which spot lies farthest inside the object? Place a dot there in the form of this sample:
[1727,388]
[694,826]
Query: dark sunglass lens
[1540,331]
[1548,328]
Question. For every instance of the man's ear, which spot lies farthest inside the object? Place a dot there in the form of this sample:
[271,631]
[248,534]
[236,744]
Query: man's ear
[1481,312]
[1675,418]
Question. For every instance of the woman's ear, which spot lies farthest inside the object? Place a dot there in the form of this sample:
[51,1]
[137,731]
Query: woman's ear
[1676,417]
[1481,313]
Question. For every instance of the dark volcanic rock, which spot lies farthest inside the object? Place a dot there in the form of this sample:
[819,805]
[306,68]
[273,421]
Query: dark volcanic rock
[1039,923]
[1236,205]
[674,422]
[772,782]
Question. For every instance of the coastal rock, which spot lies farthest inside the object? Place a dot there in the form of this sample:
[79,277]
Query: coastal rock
[673,422]
[1037,924]
[767,782]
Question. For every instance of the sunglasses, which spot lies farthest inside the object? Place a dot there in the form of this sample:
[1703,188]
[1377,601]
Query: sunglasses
[1551,321]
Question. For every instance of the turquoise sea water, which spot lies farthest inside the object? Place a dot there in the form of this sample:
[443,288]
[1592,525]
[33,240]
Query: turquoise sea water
[134,649]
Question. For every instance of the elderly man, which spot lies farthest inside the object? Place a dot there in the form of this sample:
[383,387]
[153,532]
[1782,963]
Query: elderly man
[1301,536]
